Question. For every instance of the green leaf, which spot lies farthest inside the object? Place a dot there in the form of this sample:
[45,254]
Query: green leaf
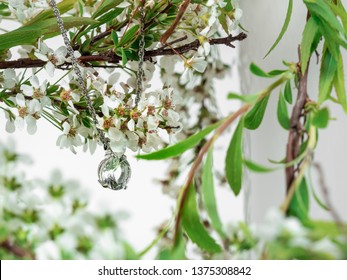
[282,112]
[102,20]
[331,38]
[299,205]
[208,194]
[233,160]
[284,27]
[129,35]
[256,70]
[327,75]
[105,6]
[255,116]
[28,35]
[310,39]
[193,226]
[339,83]
[321,118]
[114,38]
[340,11]
[322,10]
[124,57]
[255,167]
[181,147]
[129,252]
[249,98]
[288,92]
[178,252]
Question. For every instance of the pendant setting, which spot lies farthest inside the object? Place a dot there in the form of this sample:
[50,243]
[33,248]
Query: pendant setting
[114,171]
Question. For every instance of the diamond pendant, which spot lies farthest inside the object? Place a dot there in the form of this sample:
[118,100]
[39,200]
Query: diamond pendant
[114,172]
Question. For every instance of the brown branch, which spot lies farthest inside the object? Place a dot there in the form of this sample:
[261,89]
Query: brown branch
[296,127]
[16,250]
[112,57]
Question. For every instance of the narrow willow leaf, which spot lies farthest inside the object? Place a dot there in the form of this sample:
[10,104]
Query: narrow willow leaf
[233,160]
[105,6]
[129,35]
[193,227]
[299,205]
[255,167]
[255,116]
[339,83]
[181,147]
[309,42]
[332,39]
[256,70]
[251,98]
[284,27]
[102,20]
[327,75]
[28,35]
[288,92]
[321,118]
[340,11]
[282,112]
[321,9]
[208,194]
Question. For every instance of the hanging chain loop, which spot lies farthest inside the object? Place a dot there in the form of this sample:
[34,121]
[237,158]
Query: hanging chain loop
[108,167]
[74,62]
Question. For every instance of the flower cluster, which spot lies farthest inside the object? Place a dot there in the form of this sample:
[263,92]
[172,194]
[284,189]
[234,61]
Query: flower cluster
[51,220]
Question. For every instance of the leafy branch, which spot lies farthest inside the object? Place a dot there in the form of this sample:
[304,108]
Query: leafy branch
[112,57]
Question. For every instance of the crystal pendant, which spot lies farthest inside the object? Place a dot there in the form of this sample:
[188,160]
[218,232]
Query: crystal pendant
[114,172]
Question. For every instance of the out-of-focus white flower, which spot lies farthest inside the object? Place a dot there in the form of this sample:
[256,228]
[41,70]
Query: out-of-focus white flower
[48,250]
[326,245]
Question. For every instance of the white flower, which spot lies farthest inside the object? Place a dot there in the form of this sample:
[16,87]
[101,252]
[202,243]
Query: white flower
[37,90]
[10,79]
[197,63]
[118,140]
[70,138]
[26,113]
[47,250]
[53,58]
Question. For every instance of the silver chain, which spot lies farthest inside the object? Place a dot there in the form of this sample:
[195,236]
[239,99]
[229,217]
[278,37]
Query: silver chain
[140,72]
[82,84]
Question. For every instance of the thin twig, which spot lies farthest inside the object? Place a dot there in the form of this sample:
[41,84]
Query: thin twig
[229,120]
[16,250]
[327,199]
[296,127]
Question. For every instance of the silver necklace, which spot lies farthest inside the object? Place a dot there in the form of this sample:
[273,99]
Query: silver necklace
[108,170]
